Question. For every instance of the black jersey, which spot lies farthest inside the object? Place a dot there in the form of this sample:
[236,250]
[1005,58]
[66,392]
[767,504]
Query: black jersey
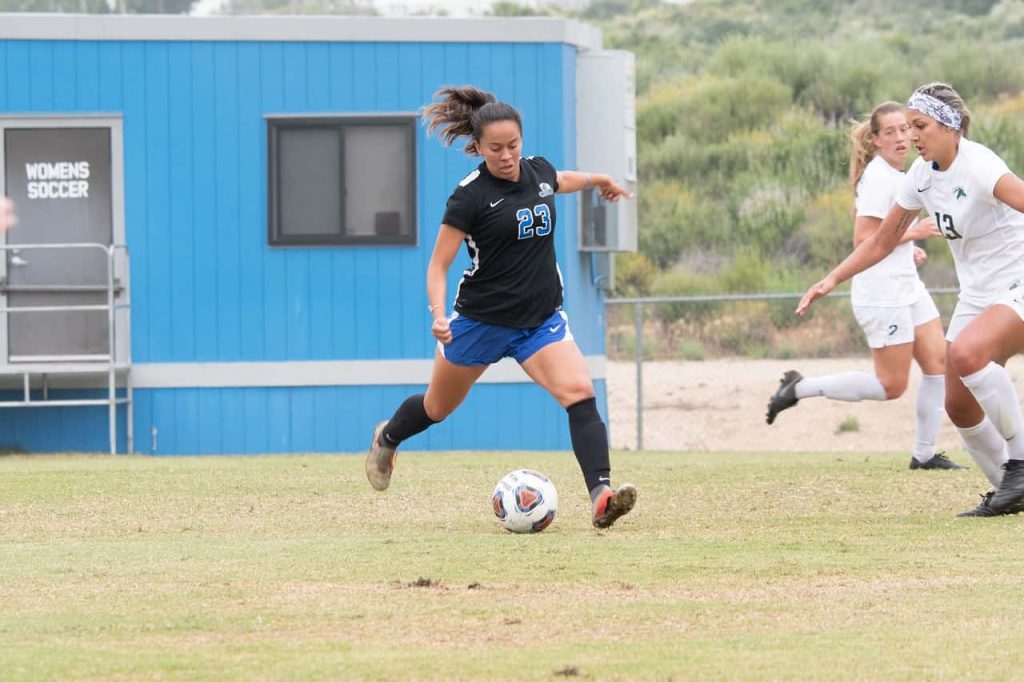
[513,280]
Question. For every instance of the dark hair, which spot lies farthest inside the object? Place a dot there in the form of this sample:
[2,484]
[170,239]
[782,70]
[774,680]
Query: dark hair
[944,92]
[464,112]
[862,149]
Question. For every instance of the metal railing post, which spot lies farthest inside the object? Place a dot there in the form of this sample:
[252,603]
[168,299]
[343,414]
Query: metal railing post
[111,354]
[638,323]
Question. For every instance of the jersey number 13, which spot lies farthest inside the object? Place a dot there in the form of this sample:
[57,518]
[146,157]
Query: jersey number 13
[944,222]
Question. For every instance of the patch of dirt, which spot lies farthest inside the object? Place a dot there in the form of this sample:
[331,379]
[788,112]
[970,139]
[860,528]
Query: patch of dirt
[720,405]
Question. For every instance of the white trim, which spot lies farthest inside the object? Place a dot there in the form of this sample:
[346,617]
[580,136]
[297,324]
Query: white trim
[319,373]
[334,29]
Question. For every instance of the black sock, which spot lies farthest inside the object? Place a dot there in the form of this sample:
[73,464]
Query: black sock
[590,442]
[409,419]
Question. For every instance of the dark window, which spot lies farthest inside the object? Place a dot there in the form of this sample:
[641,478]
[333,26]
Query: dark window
[342,180]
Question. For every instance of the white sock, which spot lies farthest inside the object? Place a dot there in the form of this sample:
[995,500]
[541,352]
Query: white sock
[992,388]
[931,399]
[987,447]
[849,386]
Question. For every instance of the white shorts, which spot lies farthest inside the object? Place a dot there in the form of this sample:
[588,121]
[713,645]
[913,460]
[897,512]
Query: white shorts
[965,312]
[894,326]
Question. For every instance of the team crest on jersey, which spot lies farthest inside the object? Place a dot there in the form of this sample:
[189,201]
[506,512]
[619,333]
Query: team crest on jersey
[959,192]
[545,190]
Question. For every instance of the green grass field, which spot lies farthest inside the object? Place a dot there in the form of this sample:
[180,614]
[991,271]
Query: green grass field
[731,567]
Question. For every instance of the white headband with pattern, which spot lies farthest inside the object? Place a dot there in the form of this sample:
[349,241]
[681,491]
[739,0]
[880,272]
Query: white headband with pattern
[936,108]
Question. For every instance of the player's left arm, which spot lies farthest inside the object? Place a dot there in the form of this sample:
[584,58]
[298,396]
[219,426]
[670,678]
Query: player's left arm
[575,181]
[1009,189]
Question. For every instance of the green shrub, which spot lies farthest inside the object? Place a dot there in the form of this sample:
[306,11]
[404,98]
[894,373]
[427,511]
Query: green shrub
[691,349]
[634,273]
[848,425]
[715,108]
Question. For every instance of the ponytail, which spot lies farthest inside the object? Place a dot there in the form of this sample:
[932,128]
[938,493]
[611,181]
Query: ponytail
[862,148]
[464,112]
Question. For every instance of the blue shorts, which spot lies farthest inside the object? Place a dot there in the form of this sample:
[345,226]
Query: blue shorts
[479,343]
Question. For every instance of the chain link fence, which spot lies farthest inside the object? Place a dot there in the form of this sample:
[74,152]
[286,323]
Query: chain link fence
[680,366]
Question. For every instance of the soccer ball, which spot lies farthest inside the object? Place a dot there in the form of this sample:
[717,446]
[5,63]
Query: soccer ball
[525,501]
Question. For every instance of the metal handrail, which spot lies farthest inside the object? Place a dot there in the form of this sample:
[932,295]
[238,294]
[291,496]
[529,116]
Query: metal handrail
[112,289]
[6,288]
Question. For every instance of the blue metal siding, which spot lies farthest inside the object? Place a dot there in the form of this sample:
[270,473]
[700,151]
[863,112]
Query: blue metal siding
[339,419]
[282,420]
[207,288]
[59,429]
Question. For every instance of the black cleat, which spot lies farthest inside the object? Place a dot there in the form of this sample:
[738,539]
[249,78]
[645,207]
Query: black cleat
[983,509]
[1009,496]
[785,396]
[939,461]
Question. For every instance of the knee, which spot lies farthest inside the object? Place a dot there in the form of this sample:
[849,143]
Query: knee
[575,392]
[436,410]
[894,388]
[934,365]
[577,395]
[967,358]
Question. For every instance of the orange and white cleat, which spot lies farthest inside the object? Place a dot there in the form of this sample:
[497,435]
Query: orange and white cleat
[380,461]
[610,505]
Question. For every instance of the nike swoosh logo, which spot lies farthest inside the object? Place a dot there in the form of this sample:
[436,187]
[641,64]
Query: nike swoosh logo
[924,189]
[554,329]
[495,203]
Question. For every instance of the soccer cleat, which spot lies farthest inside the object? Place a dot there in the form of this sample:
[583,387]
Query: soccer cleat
[1008,498]
[939,461]
[380,461]
[983,508]
[610,505]
[785,396]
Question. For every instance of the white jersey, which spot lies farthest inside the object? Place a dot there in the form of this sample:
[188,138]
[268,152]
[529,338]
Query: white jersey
[985,235]
[892,282]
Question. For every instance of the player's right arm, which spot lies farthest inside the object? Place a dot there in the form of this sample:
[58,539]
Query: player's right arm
[445,248]
[871,250]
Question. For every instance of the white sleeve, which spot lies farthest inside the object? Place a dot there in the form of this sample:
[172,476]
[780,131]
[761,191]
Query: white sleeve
[907,195]
[988,169]
[875,195]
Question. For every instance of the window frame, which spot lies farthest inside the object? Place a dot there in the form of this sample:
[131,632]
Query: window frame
[339,122]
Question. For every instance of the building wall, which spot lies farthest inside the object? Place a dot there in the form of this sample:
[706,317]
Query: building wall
[206,288]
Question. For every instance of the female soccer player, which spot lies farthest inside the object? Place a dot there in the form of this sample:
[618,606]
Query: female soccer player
[889,300]
[7,217]
[976,203]
[508,302]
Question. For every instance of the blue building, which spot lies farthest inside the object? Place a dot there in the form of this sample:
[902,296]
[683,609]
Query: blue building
[226,223]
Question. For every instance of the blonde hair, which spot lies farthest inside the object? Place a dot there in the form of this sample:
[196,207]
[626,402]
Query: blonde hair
[945,93]
[862,148]
[464,112]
